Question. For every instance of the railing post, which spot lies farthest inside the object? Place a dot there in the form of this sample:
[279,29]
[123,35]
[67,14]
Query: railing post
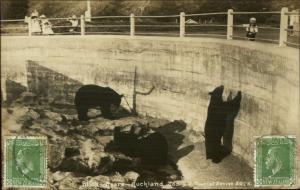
[29,27]
[182,24]
[283,26]
[82,25]
[229,24]
[132,25]
[88,12]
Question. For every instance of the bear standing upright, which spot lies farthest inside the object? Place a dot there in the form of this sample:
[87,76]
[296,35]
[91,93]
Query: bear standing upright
[220,123]
[90,96]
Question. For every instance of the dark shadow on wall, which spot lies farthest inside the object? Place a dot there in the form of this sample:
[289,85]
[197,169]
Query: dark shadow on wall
[51,86]
[13,91]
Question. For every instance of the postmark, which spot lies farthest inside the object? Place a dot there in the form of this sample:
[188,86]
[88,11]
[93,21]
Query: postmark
[25,162]
[275,161]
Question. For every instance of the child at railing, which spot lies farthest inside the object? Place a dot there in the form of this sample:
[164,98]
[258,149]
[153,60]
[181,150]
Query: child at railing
[46,26]
[251,29]
[74,23]
[35,23]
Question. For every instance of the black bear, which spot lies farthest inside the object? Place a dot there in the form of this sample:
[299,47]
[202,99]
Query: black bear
[92,96]
[154,150]
[220,123]
[151,148]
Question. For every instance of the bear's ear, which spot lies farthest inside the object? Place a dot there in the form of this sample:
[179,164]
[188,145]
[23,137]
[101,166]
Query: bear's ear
[121,95]
[210,93]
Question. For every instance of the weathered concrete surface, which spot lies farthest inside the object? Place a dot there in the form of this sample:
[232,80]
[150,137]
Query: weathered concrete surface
[182,72]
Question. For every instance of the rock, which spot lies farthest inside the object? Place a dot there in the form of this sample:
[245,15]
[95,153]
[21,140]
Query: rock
[28,118]
[56,155]
[131,177]
[117,178]
[52,127]
[75,164]
[27,98]
[10,124]
[58,176]
[53,116]
[104,140]
[89,147]
[97,182]
[91,159]
[68,117]
[70,183]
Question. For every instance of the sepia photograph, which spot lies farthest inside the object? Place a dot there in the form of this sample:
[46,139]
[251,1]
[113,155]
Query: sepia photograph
[150,94]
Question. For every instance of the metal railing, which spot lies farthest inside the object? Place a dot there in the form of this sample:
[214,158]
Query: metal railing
[155,25]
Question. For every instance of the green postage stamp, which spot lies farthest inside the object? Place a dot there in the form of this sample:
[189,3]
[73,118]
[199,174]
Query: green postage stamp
[275,161]
[25,161]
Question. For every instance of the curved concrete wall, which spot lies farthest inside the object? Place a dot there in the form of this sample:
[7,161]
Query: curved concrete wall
[182,72]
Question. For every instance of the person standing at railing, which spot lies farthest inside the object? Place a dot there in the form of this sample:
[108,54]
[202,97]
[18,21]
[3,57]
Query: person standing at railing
[46,26]
[293,19]
[74,23]
[251,29]
[35,23]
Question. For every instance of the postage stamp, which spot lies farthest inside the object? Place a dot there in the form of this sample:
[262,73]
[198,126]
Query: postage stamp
[25,162]
[275,161]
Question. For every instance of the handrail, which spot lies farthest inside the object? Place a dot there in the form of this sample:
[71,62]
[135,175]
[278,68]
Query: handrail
[246,13]
[292,13]
[204,14]
[103,26]
[15,27]
[108,17]
[58,18]
[260,27]
[159,16]
[203,34]
[13,20]
[215,25]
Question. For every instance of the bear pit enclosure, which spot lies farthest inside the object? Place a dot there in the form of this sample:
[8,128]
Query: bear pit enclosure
[166,80]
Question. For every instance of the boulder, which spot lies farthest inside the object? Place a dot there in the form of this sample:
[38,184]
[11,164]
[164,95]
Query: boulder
[97,182]
[56,155]
[89,158]
[53,116]
[70,183]
[26,98]
[117,178]
[131,177]
[10,124]
[28,117]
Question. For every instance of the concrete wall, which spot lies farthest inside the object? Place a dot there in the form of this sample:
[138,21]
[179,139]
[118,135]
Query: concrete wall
[182,72]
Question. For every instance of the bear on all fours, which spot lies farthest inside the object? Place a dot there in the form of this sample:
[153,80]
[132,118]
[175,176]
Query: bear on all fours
[93,96]
[220,124]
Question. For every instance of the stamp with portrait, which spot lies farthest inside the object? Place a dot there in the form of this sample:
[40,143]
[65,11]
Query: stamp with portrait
[275,161]
[25,161]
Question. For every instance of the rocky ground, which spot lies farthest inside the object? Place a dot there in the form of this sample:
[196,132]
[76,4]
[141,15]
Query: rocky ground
[83,155]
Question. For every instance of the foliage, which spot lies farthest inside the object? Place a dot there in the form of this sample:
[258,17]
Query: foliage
[12,9]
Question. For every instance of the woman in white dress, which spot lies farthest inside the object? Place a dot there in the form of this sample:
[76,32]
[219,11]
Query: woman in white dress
[46,26]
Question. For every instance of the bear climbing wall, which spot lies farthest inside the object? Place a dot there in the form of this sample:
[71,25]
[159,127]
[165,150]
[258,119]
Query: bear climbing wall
[182,72]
